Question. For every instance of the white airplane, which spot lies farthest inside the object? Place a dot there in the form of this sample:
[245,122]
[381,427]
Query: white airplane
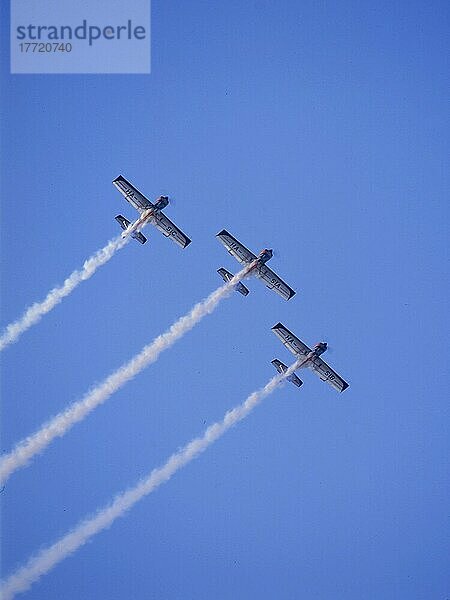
[149,213]
[245,257]
[311,359]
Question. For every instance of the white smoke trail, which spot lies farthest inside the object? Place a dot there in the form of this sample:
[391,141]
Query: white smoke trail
[47,558]
[62,422]
[36,311]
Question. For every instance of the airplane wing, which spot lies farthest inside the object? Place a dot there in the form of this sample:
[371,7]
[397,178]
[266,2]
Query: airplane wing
[273,282]
[326,373]
[131,194]
[291,342]
[170,230]
[235,248]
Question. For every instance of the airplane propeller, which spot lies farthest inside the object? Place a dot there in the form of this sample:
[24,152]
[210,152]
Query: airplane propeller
[330,347]
[166,192]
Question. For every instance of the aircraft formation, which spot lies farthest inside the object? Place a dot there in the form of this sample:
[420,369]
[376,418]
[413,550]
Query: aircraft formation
[307,358]
[253,265]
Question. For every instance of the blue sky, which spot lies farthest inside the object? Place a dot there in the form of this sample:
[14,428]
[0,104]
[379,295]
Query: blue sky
[318,129]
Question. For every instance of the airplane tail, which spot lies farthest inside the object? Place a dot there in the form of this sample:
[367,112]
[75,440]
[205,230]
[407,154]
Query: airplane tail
[227,276]
[125,223]
[282,368]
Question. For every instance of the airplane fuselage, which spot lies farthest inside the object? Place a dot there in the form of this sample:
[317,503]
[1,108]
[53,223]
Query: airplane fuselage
[162,202]
[137,225]
[262,258]
[146,214]
[319,349]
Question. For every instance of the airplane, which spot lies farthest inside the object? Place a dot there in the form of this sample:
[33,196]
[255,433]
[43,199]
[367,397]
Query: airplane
[149,213]
[245,257]
[311,359]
